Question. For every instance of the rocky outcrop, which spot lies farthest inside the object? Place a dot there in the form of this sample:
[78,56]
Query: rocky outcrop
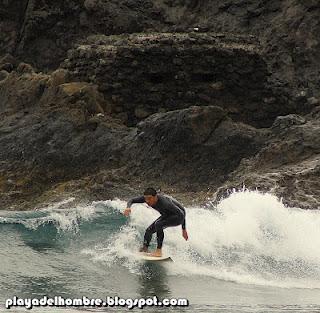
[288,31]
[288,164]
[192,148]
[57,136]
[158,92]
[58,133]
[51,133]
[40,32]
[11,20]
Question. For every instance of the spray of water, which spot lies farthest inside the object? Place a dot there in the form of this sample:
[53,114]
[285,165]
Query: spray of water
[56,214]
[249,237]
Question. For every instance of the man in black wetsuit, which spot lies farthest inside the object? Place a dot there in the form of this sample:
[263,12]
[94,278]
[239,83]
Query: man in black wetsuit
[172,214]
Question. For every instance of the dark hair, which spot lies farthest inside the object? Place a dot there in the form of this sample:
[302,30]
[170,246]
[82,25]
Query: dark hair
[150,192]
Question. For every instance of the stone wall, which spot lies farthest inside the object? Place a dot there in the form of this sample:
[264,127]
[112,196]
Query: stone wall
[142,74]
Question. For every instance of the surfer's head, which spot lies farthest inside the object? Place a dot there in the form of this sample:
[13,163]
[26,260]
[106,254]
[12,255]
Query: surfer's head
[150,196]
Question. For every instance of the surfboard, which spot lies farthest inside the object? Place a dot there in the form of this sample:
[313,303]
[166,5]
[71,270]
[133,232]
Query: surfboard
[148,257]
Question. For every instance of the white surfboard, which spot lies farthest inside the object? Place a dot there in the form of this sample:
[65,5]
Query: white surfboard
[148,257]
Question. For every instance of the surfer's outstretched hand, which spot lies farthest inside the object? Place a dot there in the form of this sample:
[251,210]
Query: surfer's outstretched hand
[185,234]
[127,211]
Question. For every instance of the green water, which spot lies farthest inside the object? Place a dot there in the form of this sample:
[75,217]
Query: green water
[90,250]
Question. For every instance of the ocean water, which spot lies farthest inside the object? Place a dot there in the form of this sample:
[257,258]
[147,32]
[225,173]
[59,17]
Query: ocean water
[250,253]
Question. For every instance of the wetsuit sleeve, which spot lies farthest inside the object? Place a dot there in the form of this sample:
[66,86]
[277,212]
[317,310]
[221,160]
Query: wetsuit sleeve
[135,200]
[175,202]
[183,225]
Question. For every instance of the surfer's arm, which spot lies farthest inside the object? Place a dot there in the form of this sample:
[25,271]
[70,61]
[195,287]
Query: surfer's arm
[135,200]
[176,203]
[127,211]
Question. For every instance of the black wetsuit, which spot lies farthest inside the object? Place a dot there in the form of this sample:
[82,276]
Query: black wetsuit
[172,214]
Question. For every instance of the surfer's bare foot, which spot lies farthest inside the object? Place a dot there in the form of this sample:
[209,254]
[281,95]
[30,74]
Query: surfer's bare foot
[157,253]
[143,249]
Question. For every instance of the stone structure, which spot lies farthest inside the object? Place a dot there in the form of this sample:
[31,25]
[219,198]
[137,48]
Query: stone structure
[142,74]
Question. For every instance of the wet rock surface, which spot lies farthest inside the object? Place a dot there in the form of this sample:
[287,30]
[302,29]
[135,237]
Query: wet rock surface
[101,98]
[189,147]
[287,165]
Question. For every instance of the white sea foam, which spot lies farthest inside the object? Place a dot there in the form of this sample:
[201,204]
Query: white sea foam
[249,237]
[64,219]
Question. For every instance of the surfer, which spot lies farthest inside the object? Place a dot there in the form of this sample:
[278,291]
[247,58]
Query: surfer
[172,214]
